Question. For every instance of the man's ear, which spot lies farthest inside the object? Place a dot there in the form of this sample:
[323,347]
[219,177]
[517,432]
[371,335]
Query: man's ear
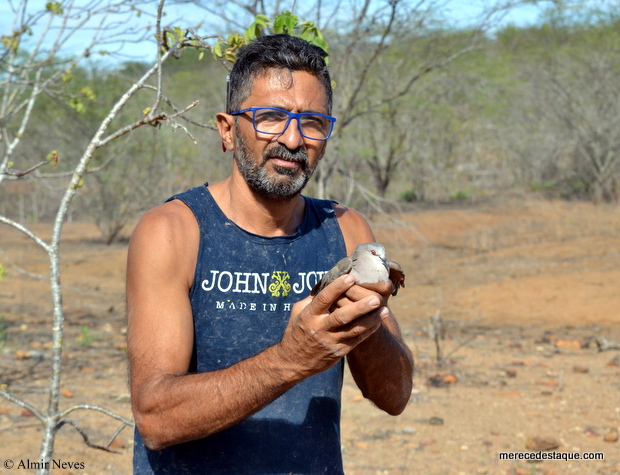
[225,126]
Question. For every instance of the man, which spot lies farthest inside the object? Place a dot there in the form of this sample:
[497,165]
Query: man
[234,368]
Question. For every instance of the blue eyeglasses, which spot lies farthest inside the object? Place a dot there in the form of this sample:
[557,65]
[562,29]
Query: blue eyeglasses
[274,121]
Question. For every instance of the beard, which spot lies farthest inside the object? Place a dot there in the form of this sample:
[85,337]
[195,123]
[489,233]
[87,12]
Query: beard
[285,183]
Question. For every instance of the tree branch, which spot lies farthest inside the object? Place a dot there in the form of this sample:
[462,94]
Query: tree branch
[157,120]
[23,404]
[84,435]
[27,232]
[90,407]
[19,269]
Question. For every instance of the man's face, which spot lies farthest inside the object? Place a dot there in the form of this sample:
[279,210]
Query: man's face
[279,166]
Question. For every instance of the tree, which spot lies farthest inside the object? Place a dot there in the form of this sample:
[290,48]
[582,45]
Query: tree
[582,95]
[34,71]
[562,131]
[413,139]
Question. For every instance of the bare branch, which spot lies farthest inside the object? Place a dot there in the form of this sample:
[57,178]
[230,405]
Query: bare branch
[22,127]
[406,89]
[371,61]
[90,407]
[19,269]
[160,48]
[183,117]
[154,121]
[118,431]
[27,171]
[53,158]
[23,404]
[84,435]
[27,232]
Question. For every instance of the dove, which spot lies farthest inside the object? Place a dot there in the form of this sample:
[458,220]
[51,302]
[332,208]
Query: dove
[368,265]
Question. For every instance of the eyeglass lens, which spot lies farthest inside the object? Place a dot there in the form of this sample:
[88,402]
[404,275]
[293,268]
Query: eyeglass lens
[270,121]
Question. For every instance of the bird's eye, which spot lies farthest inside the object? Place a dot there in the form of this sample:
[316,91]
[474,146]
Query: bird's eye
[374,253]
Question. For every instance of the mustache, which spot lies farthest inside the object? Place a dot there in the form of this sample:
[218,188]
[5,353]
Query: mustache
[280,151]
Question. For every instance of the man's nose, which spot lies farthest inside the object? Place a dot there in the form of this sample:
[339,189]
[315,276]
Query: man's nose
[291,138]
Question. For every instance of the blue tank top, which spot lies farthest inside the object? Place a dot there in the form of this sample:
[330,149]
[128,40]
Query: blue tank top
[244,288]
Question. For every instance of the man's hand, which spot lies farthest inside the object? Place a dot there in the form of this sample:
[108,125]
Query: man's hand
[383,290]
[381,363]
[324,329]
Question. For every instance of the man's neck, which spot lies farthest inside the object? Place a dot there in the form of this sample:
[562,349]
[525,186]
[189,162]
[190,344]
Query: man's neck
[255,213]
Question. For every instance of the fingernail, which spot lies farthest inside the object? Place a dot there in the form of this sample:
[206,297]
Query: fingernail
[374,302]
[384,312]
[349,279]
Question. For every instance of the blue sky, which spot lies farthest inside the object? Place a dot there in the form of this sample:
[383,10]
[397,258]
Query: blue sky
[460,10]
[468,9]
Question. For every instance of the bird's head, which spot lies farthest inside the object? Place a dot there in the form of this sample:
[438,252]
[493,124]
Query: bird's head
[370,249]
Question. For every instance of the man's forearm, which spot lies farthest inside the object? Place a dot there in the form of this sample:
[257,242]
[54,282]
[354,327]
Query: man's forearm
[382,367]
[178,408]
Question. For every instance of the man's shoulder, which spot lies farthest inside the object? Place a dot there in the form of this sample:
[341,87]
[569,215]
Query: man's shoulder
[163,247]
[170,213]
[349,216]
[170,222]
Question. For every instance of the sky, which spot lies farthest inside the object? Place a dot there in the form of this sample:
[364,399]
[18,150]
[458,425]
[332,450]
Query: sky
[522,16]
[461,10]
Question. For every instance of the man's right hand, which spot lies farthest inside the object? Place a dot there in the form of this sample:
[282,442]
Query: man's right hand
[319,333]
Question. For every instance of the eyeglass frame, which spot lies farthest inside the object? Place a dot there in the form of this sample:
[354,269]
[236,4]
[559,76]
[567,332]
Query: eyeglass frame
[291,116]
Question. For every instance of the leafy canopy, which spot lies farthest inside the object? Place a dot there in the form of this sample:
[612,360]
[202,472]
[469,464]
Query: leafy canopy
[286,23]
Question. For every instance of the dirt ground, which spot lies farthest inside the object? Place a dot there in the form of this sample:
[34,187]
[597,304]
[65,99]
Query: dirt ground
[528,291]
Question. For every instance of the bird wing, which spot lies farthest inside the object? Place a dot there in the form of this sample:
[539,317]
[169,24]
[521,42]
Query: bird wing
[397,276]
[343,266]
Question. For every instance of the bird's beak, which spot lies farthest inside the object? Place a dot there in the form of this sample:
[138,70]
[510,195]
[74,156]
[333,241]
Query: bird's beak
[387,266]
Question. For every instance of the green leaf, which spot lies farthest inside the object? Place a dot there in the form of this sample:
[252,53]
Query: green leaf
[308,28]
[174,36]
[11,42]
[87,92]
[320,42]
[249,34]
[230,55]
[55,8]
[285,23]
[313,35]
[217,49]
[256,28]
[53,158]
[235,41]
[76,104]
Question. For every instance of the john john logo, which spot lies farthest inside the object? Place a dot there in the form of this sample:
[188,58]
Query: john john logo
[280,286]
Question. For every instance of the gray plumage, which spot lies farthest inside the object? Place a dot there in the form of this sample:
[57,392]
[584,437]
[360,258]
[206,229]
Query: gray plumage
[368,265]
